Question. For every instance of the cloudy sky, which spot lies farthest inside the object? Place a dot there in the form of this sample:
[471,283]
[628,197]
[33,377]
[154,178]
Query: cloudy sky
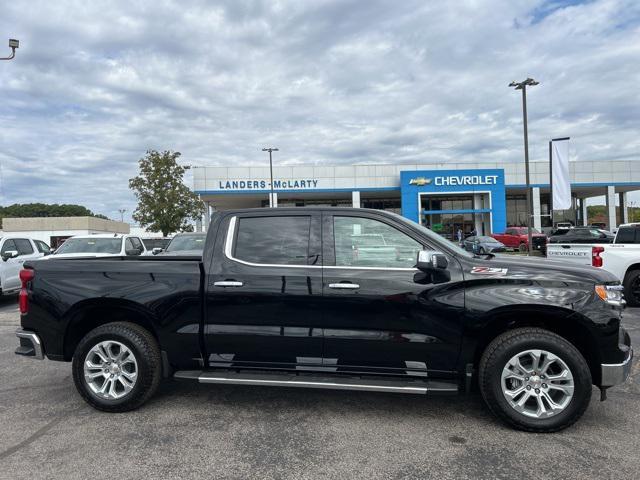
[96,84]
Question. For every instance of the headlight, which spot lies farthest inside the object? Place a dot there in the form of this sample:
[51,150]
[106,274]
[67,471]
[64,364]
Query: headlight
[612,294]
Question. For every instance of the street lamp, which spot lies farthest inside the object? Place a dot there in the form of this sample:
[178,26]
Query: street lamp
[13,44]
[122,210]
[523,86]
[270,149]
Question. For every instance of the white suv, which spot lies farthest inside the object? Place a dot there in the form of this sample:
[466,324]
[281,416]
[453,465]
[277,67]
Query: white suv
[101,245]
[14,251]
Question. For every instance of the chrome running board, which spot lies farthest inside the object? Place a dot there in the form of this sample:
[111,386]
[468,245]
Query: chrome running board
[337,382]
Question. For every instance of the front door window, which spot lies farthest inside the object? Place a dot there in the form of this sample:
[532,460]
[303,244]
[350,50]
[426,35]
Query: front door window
[364,242]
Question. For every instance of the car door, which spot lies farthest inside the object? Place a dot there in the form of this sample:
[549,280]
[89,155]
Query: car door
[383,315]
[9,279]
[11,267]
[510,238]
[263,290]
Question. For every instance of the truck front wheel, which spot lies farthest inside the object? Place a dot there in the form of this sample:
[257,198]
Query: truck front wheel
[117,367]
[535,380]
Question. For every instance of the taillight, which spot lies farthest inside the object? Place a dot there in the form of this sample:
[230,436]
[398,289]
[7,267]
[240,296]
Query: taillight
[596,259]
[26,275]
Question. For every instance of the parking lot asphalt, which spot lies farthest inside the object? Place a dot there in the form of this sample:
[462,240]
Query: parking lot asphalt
[213,431]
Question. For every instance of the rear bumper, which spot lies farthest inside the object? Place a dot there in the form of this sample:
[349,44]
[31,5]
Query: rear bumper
[30,344]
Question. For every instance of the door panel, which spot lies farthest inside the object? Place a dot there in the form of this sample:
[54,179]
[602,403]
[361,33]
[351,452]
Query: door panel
[263,292]
[397,320]
[11,267]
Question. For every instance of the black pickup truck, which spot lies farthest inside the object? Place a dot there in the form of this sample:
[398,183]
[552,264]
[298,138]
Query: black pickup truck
[294,297]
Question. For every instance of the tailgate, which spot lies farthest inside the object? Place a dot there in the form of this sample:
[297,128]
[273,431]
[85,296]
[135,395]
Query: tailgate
[576,253]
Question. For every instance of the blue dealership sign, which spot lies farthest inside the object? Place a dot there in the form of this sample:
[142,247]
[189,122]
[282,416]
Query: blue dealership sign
[490,181]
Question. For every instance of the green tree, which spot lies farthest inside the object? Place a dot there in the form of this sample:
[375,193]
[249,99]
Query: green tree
[20,210]
[165,203]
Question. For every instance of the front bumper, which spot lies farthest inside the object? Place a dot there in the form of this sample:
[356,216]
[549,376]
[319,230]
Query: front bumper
[30,344]
[616,373]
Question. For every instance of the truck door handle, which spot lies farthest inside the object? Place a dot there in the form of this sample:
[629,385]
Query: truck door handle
[228,283]
[345,286]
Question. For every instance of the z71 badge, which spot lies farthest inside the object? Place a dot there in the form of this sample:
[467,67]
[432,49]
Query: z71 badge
[489,271]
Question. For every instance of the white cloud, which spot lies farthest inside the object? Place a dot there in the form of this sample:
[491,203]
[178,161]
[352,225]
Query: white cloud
[94,85]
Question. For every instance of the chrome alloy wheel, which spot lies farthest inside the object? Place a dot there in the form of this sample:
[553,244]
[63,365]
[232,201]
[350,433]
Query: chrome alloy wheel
[110,370]
[537,383]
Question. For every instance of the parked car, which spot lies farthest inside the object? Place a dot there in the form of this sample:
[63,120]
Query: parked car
[601,225]
[564,225]
[186,244]
[100,245]
[482,244]
[276,300]
[14,251]
[517,238]
[622,257]
[581,235]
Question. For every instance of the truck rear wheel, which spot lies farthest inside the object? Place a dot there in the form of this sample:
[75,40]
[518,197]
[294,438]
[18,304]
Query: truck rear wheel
[632,288]
[522,247]
[534,380]
[117,367]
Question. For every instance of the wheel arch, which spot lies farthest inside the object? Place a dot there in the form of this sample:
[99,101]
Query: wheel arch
[631,268]
[570,325]
[90,314]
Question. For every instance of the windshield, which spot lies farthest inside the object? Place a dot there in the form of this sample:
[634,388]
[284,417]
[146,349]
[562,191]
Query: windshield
[437,239]
[91,245]
[181,243]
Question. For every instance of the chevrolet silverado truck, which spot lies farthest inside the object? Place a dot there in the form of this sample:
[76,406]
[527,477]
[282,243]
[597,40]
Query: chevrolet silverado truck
[279,299]
[622,258]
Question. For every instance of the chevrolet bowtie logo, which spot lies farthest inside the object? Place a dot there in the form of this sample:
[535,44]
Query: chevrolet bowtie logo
[420,181]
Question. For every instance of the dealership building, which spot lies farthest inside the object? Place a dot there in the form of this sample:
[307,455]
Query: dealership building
[486,197]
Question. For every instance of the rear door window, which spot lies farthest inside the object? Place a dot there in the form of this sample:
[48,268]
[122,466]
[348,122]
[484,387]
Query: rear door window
[137,243]
[24,246]
[628,235]
[277,240]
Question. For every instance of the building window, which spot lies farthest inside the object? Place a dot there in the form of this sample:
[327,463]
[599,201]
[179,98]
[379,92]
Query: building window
[516,210]
[389,204]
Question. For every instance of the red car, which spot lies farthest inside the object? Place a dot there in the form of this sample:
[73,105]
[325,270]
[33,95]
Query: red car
[516,238]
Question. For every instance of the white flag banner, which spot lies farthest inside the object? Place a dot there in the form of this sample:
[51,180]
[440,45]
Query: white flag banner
[560,175]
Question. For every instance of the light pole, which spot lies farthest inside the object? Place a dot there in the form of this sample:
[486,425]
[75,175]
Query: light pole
[13,44]
[270,149]
[523,86]
[122,210]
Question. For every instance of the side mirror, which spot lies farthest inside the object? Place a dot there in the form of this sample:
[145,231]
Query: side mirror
[429,260]
[9,254]
[157,250]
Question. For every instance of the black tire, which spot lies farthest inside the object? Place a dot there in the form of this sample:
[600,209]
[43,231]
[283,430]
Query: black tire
[632,288]
[144,348]
[512,342]
[522,247]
